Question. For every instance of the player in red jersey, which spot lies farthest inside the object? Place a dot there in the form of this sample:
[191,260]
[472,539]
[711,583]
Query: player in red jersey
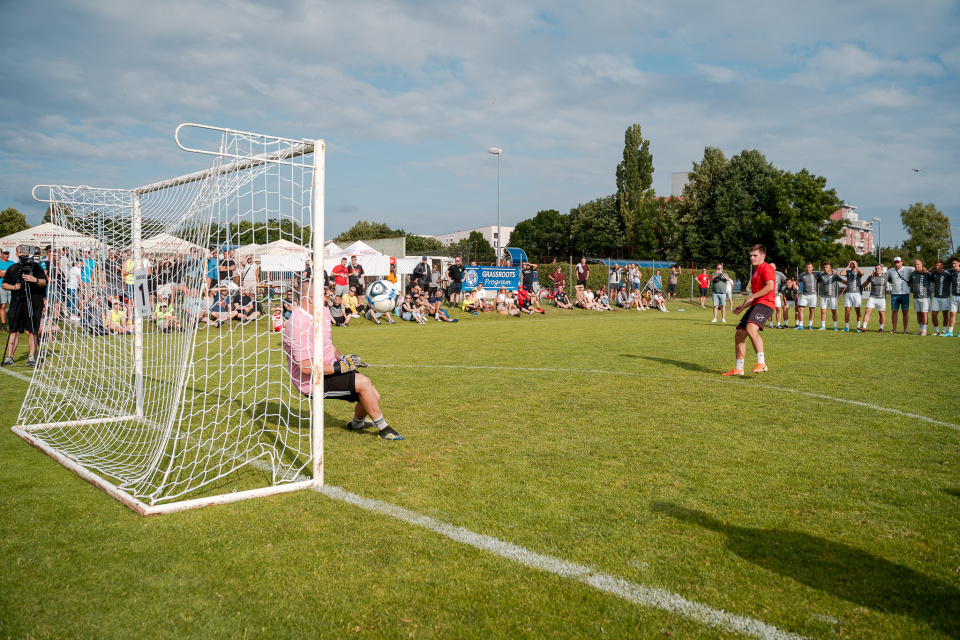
[761,306]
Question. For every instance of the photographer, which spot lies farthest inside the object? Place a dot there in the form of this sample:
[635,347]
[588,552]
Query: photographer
[26,282]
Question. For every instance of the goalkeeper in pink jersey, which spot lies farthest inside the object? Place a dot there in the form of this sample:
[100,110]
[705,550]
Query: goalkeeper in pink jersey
[340,378]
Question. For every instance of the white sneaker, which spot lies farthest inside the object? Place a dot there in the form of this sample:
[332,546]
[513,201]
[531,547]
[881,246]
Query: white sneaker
[714,320]
[724,320]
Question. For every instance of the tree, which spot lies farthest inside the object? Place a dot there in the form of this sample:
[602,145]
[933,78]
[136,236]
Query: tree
[928,231]
[546,235]
[473,248]
[597,228]
[423,246]
[634,177]
[364,230]
[699,187]
[799,226]
[12,221]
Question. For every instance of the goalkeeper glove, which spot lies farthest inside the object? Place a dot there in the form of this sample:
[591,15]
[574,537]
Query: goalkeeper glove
[348,363]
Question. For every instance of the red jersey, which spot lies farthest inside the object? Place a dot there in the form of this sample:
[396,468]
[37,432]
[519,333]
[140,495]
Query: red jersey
[761,275]
[340,273]
[704,280]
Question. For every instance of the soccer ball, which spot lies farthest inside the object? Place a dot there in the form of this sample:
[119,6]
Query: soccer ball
[382,296]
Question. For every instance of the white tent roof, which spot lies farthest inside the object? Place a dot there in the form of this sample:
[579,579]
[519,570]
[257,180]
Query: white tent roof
[283,247]
[166,243]
[248,249]
[331,249]
[373,262]
[46,233]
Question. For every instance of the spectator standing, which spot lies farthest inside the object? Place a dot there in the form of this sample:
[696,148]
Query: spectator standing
[421,274]
[583,272]
[703,280]
[674,277]
[356,275]
[249,276]
[25,280]
[341,275]
[73,290]
[454,289]
[213,273]
[614,278]
[719,281]
[5,263]
[657,281]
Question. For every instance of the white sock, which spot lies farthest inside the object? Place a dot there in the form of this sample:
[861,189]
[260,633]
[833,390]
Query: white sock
[381,423]
[858,324]
[760,359]
[739,366]
[881,327]
[846,325]
[810,323]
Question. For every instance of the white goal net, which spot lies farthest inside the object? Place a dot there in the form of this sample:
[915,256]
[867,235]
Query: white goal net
[162,376]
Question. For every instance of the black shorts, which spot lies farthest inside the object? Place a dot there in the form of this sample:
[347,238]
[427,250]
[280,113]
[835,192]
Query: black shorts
[18,316]
[582,283]
[758,314]
[339,320]
[671,288]
[454,287]
[703,291]
[341,386]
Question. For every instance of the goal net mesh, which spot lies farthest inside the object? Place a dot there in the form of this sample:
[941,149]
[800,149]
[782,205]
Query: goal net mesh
[161,404]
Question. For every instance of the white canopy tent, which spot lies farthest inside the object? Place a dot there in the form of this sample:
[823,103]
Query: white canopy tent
[331,249]
[166,243]
[49,234]
[282,256]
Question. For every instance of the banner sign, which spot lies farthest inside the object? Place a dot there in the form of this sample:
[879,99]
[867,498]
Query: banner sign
[492,278]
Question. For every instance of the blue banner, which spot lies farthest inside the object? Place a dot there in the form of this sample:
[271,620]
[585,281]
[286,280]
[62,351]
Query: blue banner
[492,278]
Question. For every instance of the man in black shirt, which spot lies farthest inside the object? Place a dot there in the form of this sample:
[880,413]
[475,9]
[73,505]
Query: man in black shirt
[355,278]
[421,274]
[455,273]
[26,281]
[526,275]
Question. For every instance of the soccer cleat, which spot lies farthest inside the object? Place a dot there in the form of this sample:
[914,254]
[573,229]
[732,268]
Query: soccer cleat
[946,334]
[822,328]
[387,433]
[845,329]
[760,368]
[7,361]
[861,330]
[31,362]
[799,327]
[363,425]
[836,329]
[734,372]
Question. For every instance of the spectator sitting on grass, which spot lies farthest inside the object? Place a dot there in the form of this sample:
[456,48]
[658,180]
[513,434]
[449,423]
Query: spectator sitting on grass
[623,299]
[289,305]
[117,320]
[561,300]
[528,302]
[645,300]
[505,304]
[470,304]
[195,309]
[482,303]
[592,300]
[434,302]
[603,301]
[339,313]
[659,302]
[351,302]
[247,308]
[409,310]
[579,297]
[222,309]
[166,320]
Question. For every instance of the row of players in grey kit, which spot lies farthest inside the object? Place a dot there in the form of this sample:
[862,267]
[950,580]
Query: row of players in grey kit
[934,290]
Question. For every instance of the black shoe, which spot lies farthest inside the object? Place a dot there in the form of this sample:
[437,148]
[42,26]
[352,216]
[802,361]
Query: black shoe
[363,425]
[7,361]
[31,362]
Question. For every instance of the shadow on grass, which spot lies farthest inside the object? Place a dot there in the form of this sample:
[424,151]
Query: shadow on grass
[689,366]
[952,491]
[838,569]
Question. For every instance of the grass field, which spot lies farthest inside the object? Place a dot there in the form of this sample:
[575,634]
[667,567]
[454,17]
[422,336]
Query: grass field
[820,499]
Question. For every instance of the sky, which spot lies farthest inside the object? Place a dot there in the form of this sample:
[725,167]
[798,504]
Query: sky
[410,95]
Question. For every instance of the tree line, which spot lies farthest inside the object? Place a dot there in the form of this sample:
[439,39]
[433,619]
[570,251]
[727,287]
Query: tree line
[472,248]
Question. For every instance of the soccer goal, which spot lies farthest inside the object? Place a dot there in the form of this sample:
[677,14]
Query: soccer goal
[160,376]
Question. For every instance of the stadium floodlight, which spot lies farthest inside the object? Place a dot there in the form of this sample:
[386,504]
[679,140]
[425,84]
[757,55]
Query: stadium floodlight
[140,397]
[498,152]
[877,239]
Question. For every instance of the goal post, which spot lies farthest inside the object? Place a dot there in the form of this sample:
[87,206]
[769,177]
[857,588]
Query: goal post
[160,378]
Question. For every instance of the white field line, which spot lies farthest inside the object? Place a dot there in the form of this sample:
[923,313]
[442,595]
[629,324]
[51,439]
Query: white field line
[867,405]
[651,597]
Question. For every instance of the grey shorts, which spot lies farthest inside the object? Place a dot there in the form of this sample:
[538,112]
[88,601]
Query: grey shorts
[4,296]
[719,299]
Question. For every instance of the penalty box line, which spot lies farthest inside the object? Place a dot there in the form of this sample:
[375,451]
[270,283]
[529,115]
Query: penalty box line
[650,597]
[818,396]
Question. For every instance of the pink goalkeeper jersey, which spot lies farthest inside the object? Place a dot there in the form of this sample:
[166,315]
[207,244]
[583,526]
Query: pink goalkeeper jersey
[298,345]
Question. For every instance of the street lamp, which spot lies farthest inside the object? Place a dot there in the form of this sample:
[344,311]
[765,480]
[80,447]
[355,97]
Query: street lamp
[498,152]
[877,220]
